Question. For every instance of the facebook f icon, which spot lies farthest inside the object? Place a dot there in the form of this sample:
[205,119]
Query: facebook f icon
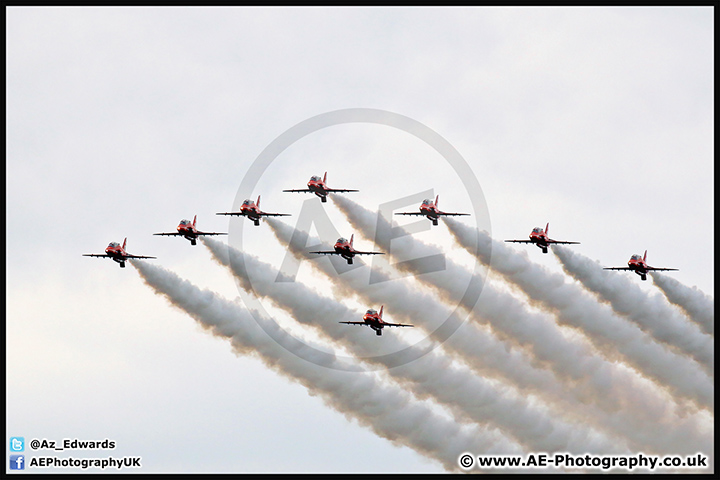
[17,462]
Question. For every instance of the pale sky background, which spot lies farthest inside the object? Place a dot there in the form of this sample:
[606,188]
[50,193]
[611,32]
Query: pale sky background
[123,121]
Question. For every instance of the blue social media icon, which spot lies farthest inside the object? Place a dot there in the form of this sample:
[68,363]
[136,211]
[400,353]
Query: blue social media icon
[17,462]
[17,444]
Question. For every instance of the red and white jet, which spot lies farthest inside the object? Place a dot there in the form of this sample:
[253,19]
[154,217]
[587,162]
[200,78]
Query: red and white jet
[374,320]
[539,237]
[429,209]
[638,265]
[117,253]
[346,250]
[252,211]
[317,186]
[188,230]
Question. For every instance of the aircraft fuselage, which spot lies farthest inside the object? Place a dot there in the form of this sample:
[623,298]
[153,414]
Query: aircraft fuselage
[319,189]
[345,251]
[117,254]
[639,268]
[374,323]
[540,242]
[431,212]
[189,232]
[252,213]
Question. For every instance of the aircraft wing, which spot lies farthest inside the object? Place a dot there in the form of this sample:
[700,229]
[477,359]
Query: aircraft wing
[396,325]
[447,214]
[369,253]
[298,190]
[95,255]
[173,234]
[439,214]
[518,241]
[354,323]
[209,233]
[327,252]
[616,268]
[340,190]
[563,242]
[265,214]
[230,213]
[137,256]
[660,268]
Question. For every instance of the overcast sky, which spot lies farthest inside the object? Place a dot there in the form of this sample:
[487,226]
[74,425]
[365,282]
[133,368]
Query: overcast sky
[123,121]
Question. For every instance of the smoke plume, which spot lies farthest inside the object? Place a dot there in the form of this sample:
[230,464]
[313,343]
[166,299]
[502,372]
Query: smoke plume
[626,403]
[616,338]
[388,410]
[651,313]
[698,306]
[432,375]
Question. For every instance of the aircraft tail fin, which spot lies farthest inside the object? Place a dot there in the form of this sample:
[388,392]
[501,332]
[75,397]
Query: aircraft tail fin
[325,177]
[381,309]
[645,256]
[351,239]
[547,227]
[437,197]
[124,242]
[194,220]
[257,204]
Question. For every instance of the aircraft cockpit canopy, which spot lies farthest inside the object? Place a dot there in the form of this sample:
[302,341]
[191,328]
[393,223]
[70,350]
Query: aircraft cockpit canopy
[537,230]
[114,244]
[427,201]
[246,202]
[371,312]
[315,178]
[341,240]
[635,257]
[184,222]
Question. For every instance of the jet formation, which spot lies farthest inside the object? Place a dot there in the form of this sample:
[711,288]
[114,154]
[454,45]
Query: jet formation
[345,248]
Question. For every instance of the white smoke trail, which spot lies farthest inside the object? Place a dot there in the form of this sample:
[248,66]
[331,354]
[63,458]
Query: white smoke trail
[389,411]
[699,306]
[483,351]
[615,337]
[432,375]
[651,313]
[626,404]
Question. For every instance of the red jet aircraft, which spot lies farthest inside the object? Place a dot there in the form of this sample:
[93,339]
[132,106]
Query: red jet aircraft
[374,320]
[317,186]
[345,249]
[539,237]
[252,210]
[116,252]
[187,229]
[429,209]
[638,265]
